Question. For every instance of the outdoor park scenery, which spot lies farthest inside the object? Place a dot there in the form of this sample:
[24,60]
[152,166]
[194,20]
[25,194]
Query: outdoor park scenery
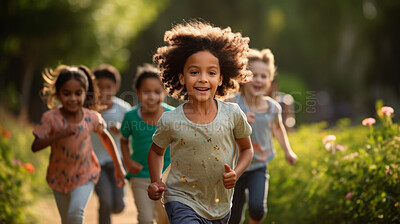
[337,60]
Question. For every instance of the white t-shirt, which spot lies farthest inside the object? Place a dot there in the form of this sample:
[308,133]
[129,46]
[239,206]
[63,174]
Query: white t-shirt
[198,155]
[111,116]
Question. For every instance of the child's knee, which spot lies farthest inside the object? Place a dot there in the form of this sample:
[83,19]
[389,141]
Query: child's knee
[257,213]
[119,207]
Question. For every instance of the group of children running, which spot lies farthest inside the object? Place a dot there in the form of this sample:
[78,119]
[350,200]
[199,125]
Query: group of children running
[190,164]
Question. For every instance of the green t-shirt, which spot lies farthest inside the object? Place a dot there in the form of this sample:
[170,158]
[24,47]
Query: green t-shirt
[198,155]
[141,133]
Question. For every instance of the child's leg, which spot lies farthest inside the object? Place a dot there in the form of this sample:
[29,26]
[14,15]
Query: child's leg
[258,192]
[110,199]
[145,206]
[161,214]
[62,201]
[79,199]
[239,199]
[181,213]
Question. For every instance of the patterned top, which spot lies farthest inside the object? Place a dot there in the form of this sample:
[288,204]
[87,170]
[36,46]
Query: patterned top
[261,138]
[72,160]
[198,155]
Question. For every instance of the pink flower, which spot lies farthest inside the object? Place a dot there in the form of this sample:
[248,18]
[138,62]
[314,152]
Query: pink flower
[388,171]
[340,147]
[368,121]
[387,110]
[16,162]
[349,195]
[328,146]
[329,138]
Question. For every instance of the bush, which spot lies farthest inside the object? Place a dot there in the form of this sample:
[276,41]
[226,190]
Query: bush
[22,173]
[15,184]
[354,182]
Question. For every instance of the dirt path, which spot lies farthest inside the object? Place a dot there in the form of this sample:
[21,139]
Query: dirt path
[47,211]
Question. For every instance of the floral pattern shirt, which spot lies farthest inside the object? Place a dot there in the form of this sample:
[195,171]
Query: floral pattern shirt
[72,160]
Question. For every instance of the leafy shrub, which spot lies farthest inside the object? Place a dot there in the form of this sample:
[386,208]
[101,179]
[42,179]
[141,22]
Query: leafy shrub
[22,173]
[354,182]
[14,184]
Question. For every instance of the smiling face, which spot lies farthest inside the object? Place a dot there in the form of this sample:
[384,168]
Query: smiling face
[261,81]
[72,96]
[201,76]
[108,88]
[151,93]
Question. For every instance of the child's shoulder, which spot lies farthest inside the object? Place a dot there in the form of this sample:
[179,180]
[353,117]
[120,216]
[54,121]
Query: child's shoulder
[275,106]
[231,107]
[51,114]
[90,113]
[121,103]
[167,107]
[132,111]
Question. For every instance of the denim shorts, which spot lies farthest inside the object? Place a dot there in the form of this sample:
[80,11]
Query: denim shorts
[179,213]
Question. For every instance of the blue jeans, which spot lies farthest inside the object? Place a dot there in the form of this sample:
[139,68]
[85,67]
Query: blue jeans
[71,205]
[256,181]
[179,213]
[111,197]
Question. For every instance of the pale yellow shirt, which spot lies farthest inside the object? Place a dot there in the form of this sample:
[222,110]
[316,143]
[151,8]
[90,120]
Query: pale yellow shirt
[198,155]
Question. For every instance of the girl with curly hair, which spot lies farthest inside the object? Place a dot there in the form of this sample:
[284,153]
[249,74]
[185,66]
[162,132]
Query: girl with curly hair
[200,63]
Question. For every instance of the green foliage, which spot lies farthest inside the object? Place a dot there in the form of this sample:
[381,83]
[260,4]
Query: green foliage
[357,185]
[23,175]
[15,181]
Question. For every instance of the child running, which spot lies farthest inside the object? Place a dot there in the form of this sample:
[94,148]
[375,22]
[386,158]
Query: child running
[264,115]
[140,123]
[111,197]
[73,168]
[201,62]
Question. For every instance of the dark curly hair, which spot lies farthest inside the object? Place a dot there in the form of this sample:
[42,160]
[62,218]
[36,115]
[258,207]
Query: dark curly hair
[189,38]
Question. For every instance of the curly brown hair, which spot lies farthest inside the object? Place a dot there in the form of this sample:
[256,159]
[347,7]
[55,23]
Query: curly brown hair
[54,80]
[265,56]
[191,37]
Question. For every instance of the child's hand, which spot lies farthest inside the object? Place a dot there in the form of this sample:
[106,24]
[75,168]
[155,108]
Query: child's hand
[69,131]
[251,117]
[291,157]
[133,167]
[229,177]
[115,128]
[155,190]
[120,177]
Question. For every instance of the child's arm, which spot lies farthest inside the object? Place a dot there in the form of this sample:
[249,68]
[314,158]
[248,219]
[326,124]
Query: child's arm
[280,134]
[244,158]
[41,143]
[109,144]
[156,162]
[131,165]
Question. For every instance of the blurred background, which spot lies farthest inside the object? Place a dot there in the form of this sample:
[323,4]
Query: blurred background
[336,58]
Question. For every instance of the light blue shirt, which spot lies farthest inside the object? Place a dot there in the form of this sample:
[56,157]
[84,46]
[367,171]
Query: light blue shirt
[261,137]
[111,116]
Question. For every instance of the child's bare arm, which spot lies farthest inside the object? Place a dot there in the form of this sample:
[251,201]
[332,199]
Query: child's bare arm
[41,143]
[156,162]
[245,156]
[279,131]
[109,144]
[131,165]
